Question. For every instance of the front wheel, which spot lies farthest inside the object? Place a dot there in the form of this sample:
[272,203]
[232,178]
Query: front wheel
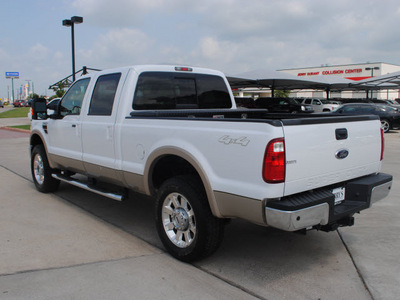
[41,171]
[184,221]
[385,125]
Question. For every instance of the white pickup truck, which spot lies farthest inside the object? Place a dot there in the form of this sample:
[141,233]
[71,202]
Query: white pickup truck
[175,133]
[321,105]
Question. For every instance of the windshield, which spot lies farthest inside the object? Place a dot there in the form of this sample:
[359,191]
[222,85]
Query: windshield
[292,101]
[387,108]
[393,102]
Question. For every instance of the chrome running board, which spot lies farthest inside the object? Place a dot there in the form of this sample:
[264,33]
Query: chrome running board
[84,186]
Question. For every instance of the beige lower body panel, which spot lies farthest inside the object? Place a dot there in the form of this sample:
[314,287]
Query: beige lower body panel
[131,181]
[234,206]
[65,163]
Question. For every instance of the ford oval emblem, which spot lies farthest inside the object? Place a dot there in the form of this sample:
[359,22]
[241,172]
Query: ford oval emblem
[341,154]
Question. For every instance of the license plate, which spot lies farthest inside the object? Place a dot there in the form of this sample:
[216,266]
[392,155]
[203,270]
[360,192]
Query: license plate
[339,195]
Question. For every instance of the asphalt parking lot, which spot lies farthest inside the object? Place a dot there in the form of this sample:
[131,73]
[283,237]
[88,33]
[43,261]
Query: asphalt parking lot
[77,245]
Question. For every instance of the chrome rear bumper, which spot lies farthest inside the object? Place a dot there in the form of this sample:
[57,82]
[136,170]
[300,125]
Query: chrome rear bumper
[303,211]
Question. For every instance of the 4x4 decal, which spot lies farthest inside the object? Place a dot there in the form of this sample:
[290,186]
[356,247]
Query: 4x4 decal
[227,140]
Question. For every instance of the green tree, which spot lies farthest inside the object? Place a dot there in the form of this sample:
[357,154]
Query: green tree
[59,89]
[33,96]
[282,93]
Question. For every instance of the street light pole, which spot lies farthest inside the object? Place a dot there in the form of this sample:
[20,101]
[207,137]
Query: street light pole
[12,86]
[70,23]
[372,75]
[372,70]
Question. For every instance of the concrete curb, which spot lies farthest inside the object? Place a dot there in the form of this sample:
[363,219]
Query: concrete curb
[15,129]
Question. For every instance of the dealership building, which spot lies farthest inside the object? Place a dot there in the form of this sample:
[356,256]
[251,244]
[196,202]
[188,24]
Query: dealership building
[352,72]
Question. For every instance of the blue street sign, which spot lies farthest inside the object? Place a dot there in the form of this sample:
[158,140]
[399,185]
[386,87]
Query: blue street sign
[12,75]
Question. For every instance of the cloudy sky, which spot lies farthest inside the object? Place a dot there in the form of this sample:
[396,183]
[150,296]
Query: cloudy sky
[233,36]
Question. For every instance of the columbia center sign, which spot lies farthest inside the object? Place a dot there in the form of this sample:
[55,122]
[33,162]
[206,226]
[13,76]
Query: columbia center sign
[12,75]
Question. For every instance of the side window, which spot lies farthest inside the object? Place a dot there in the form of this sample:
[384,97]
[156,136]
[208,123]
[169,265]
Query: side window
[349,109]
[72,101]
[370,109]
[103,96]
[307,101]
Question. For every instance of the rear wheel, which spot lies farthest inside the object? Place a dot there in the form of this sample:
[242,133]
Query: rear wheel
[184,221]
[385,125]
[41,171]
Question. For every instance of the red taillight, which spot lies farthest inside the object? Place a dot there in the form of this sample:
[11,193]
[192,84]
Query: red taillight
[382,144]
[274,161]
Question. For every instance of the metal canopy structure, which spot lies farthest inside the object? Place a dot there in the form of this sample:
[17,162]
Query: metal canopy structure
[283,81]
[387,81]
[271,79]
[67,81]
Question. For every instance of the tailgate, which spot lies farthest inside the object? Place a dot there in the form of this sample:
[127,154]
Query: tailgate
[318,153]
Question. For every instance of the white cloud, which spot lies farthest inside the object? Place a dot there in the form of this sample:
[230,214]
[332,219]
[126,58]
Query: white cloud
[117,47]
[38,52]
[4,56]
[117,12]
[230,35]
[275,32]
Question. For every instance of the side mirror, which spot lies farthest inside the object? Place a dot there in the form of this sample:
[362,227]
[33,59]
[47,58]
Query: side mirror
[39,109]
[53,109]
[53,105]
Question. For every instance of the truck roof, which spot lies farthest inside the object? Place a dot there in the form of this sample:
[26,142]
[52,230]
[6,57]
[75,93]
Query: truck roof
[163,68]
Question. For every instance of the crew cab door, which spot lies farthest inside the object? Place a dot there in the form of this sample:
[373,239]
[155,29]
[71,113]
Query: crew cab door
[98,137]
[65,145]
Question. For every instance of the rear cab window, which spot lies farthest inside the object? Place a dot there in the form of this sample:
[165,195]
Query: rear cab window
[167,90]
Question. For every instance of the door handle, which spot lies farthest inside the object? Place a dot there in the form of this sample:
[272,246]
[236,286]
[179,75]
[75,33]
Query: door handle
[73,125]
[341,134]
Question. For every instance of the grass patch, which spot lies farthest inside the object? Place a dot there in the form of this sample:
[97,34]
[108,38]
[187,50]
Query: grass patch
[19,112]
[26,127]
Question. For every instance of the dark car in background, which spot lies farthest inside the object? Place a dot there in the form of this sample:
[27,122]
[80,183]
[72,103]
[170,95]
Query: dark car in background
[245,102]
[283,105]
[389,116]
[387,102]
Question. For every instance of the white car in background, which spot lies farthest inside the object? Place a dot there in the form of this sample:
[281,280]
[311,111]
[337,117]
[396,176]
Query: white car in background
[321,105]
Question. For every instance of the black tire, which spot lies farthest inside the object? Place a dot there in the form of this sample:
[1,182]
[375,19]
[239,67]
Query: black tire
[184,221]
[41,171]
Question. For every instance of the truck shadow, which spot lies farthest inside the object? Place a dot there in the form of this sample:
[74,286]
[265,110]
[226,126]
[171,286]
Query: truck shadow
[252,257]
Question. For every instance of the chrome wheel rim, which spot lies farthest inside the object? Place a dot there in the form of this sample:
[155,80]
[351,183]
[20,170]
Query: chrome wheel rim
[38,169]
[385,126]
[178,219]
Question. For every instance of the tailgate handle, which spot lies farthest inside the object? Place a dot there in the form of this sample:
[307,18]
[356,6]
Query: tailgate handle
[341,133]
